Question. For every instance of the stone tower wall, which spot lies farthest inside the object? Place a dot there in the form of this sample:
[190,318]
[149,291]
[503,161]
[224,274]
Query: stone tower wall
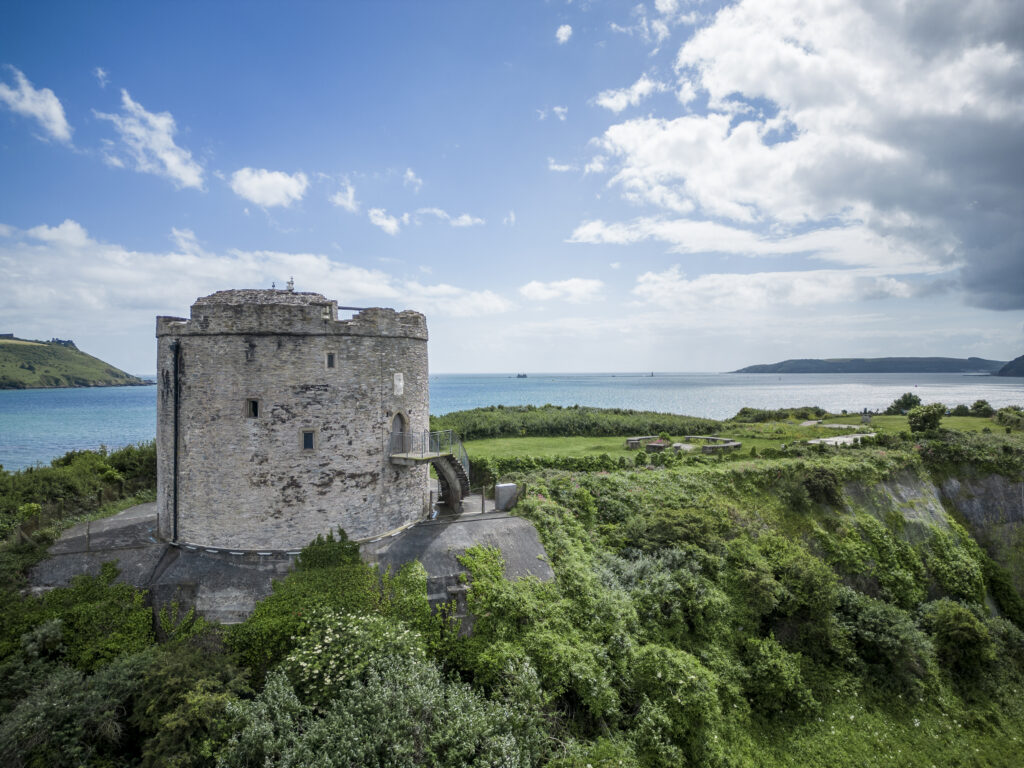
[245,482]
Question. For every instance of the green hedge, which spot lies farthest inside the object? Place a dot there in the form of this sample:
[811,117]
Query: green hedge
[573,421]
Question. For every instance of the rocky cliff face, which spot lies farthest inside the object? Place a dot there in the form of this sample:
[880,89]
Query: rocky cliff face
[992,508]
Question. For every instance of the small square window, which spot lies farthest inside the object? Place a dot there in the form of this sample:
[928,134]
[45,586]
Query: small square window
[307,439]
[330,359]
[252,409]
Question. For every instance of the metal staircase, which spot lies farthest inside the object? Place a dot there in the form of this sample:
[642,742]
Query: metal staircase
[442,449]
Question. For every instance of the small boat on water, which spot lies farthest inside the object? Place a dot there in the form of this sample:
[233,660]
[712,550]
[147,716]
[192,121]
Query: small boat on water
[520,375]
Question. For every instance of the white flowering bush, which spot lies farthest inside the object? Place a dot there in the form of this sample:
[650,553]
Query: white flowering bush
[339,649]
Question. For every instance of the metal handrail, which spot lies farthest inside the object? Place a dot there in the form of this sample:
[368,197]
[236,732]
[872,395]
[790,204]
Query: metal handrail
[424,444]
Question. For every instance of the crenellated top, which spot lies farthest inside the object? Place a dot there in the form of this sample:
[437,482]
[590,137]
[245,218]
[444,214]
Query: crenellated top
[254,312]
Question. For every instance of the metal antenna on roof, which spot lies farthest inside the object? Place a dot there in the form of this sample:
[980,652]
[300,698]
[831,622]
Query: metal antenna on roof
[291,284]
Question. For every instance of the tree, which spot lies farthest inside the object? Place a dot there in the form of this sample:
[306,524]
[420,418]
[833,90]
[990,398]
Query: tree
[982,409]
[926,417]
[903,403]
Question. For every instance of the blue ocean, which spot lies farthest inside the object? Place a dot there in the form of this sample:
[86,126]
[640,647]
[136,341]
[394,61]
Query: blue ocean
[37,425]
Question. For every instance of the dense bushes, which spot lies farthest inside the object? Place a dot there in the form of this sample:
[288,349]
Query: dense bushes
[729,613]
[556,421]
[748,415]
[79,481]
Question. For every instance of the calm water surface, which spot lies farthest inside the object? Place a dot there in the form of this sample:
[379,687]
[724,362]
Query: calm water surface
[37,425]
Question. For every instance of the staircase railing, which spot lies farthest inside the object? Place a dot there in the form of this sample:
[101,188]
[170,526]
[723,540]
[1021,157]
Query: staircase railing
[427,444]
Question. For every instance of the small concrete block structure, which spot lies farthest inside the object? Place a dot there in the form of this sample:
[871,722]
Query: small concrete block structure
[656,446]
[505,496]
[437,544]
[636,443]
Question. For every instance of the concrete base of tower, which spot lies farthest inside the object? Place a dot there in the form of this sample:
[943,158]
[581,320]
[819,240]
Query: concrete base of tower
[225,585]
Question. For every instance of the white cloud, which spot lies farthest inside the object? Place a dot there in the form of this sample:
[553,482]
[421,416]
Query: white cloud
[618,100]
[563,33]
[268,189]
[575,290]
[67,281]
[185,241]
[149,139]
[886,122]
[102,76]
[596,165]
[41,105]
[762,290]
[410,179]
[346,198]
[510,220]
[853,246]
[68,233]
[465,220]
[462,220]
[559,167]
[445,299]
[380,218]
[561,112]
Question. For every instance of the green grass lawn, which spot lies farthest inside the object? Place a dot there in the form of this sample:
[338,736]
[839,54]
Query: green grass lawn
[770,435]
[760,436]
[899,423]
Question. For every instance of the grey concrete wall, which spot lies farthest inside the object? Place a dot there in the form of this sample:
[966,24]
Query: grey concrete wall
[246,483]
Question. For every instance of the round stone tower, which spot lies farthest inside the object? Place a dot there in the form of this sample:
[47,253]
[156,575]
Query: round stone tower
[274,420]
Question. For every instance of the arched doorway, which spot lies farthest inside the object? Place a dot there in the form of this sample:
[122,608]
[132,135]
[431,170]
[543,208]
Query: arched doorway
[399,435]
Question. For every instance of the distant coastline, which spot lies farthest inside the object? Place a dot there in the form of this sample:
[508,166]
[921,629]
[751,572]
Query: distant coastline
[880,365]
[56,364]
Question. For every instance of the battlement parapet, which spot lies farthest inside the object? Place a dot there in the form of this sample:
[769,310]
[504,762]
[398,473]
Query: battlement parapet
[253,312]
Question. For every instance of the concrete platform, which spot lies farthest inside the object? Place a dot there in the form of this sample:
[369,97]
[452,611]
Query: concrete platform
[225,586]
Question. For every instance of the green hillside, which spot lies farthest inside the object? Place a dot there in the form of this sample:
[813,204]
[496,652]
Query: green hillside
[879,365]
[1013,368]
[45,364]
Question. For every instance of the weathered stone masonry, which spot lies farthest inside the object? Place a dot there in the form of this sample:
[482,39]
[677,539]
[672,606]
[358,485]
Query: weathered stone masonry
[283,418]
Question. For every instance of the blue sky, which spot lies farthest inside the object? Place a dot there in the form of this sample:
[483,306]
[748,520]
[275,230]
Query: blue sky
[558,186]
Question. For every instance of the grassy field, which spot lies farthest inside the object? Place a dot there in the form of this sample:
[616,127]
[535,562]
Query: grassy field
[759,436]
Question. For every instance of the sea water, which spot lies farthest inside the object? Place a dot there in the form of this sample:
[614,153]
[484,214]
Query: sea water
[37,425]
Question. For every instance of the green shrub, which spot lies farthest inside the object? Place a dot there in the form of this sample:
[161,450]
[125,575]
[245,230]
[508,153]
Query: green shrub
[100,620]
[774,684]
[329,575]
[678,705]
[955,566]
[396,715]
[962,641]
[902,404]
[982,409]
[338,650]
[893,651]
[925,418]
[1000,586]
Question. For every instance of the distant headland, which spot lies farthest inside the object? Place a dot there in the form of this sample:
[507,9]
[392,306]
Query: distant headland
[1013,368]
[30,364]
[882,365]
